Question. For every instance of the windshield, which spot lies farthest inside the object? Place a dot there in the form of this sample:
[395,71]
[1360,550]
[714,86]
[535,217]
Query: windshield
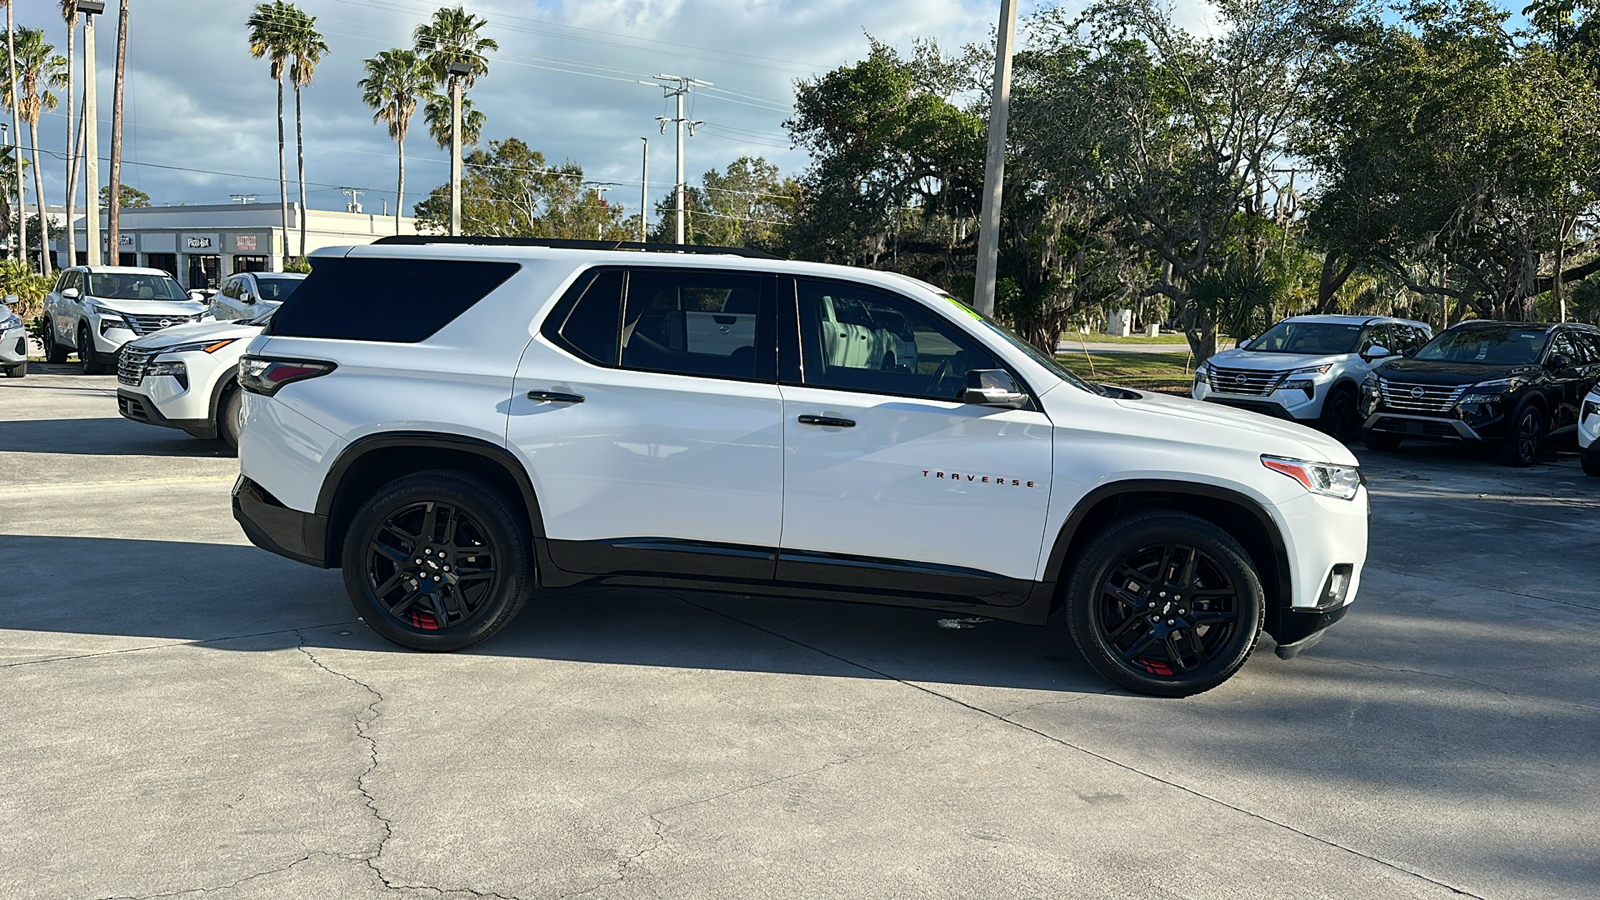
[276,288]
[1025,347]
[1489,345]
[133,286]
[1315,338]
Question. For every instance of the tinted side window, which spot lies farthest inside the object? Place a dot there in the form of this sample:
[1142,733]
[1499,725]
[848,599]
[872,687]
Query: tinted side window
[1379,336]
[691,322]
[230,288]
[862,339]
[1591,342]
[588,320]
[1561,344]
[394,300]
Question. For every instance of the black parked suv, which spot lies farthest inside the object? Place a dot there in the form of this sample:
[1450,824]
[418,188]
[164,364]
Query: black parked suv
[1508,385]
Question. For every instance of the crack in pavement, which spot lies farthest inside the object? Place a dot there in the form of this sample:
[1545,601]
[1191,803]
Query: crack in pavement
[1128,767]
[222,887]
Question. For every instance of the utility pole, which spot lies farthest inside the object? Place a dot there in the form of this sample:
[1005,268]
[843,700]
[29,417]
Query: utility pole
[458,69]
[114,208]
[644,195]
[676,86]
[994,171]
[91,135]
[352,196]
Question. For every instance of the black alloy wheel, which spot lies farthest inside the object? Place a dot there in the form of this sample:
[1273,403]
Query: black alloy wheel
[1339,413]
[1166,604]
[1591,459]
[437,561]
[1379,442]
[86,352]
[1526,440]
[53,352]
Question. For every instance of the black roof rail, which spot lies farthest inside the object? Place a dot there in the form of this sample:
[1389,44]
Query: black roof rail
[416,240]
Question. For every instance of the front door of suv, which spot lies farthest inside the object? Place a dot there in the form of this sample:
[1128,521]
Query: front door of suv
[648,413]
[892,485]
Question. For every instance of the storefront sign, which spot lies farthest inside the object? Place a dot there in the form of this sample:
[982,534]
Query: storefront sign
[245,243]
[198,243]
[125,240]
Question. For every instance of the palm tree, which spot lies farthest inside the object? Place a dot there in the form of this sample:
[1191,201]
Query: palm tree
[37,71]
[395,82]
[307,48]
[69,12]
[267,39]
[450,40]
[22,217]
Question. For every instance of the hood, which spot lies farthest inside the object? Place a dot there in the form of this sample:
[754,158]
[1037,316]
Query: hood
[199,331]
[1259,433]
[151,307]
[1448,374]
[1273,362]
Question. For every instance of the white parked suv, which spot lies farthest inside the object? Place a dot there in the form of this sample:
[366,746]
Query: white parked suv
[1308,369]
[184,377]
[13,340]
[247,295]
[94,310]
[1589,431]
[528,415]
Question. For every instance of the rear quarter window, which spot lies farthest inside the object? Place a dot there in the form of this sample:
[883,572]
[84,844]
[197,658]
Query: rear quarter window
[401,301]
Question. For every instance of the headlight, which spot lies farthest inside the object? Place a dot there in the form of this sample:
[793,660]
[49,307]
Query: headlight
[169,367]
[1309,370]
[1491,391]
[1590,408]
[1202,373]
[1327,479]
[10,321]
[201,346]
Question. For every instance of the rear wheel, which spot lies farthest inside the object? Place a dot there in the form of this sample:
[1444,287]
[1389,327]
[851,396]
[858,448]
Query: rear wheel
[53,351]
[1382,443]
[437,561]
[1522,447]
[92,364]
[1591,460]
[1166,604]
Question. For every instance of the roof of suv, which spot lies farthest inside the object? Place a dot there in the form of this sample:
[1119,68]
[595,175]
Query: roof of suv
[1350,320]
[1540,326]
[112,270]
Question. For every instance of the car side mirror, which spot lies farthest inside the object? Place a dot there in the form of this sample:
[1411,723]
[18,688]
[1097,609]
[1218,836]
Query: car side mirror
[1557,362]
[244,297]
[197,296]
[1376,352]
[70,294]
[994,387]
[1244,343]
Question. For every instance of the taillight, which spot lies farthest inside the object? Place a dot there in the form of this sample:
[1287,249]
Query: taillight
[266,376]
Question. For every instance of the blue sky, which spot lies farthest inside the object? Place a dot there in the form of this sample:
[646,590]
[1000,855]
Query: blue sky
[565,80]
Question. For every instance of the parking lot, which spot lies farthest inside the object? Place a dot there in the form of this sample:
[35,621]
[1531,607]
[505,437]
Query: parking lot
[186,714]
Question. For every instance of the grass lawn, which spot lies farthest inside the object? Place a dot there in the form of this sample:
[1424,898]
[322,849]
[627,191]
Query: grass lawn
[1170,373]
[1089,337]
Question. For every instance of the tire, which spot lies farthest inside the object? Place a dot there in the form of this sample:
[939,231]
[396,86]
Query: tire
[1110,619]
[53,352]
[1522,447]
[230,417]
[20,370]
[392,592]
[92,364]
[1339,413]
[1591,460]
[1379,442]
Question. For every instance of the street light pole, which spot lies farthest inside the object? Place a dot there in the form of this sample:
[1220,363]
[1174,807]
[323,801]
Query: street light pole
[22,209]
[644,195]
[91,135]
[994,170]
[457,70]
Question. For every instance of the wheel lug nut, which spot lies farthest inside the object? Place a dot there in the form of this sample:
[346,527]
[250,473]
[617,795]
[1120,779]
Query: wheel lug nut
[1152,604]
[1162,594]
[447,568]
[1183,612]
[1171,622]
[419,562]
[1155,618]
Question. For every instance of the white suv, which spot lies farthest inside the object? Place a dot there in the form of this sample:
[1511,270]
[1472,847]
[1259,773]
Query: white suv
[1308,369]
[13,340]
[94,310]
[531,415]
[1589,432]
[184,377]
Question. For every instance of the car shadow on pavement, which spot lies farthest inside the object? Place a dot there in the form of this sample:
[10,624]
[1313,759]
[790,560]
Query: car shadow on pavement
[124,594]
[103,437]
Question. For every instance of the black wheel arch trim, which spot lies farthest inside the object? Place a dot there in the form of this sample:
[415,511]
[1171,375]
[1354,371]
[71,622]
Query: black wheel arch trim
[1280,594]
[228,381]
[349,456]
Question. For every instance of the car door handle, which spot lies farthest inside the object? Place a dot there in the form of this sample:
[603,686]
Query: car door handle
[827,421]
[555,397]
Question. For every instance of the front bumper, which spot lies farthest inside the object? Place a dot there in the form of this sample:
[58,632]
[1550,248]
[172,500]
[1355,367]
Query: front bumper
[1322,536]
[140,408]
[300,536]
[13,347]
[1284,403]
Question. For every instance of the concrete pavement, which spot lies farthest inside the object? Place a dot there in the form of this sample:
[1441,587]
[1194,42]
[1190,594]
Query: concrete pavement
[186,714]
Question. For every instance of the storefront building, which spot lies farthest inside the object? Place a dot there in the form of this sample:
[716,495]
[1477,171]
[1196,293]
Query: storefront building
[201,245]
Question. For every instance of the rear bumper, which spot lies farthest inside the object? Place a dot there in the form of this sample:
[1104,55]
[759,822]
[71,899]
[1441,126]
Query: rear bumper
[300,536]
[139,408]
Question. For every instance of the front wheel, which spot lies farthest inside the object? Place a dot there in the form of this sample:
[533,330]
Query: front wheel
[20,370]
[1339,413]
[54,352]
[1522,447]
[92,364]
[437,561]
[1165,604]
[230,417]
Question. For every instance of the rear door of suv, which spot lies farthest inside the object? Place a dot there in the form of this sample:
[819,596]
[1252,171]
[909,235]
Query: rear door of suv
[892,485]
[649,416]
